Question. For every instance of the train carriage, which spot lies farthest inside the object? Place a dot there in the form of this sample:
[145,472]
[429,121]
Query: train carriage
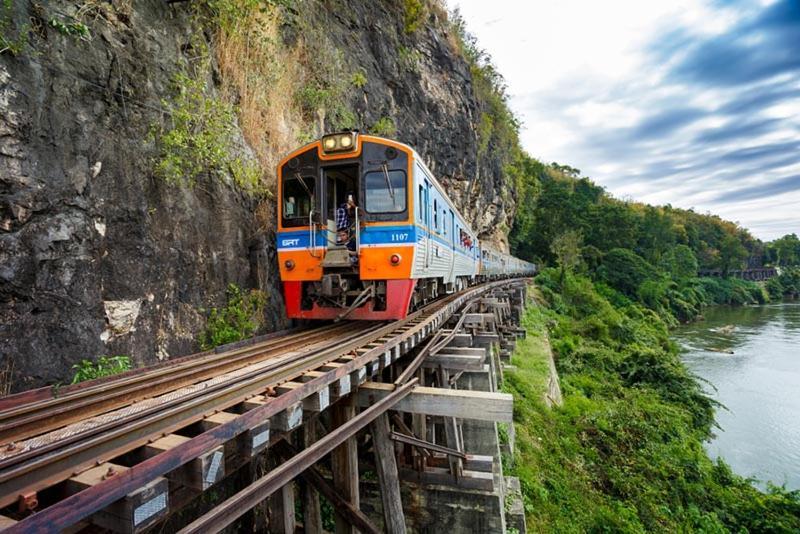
[365,231]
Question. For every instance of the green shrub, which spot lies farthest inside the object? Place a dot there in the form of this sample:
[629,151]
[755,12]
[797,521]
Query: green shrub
[200,138]
[75,29]
[384,127]
[413,15]
[239,319]
[359,79]
[9,42]
[104,366]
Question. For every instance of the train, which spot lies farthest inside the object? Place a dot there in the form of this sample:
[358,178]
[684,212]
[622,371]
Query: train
[366,232]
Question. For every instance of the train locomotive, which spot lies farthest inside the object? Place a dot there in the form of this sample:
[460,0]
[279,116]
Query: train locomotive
[365,231]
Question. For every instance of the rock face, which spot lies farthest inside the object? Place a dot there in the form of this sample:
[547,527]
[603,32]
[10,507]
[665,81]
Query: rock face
[422,81]
[98,256]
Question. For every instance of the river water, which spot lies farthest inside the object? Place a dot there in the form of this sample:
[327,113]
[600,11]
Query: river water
[759,384]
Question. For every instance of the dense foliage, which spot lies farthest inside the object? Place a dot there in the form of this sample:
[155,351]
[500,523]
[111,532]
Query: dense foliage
[624,453]
[239,319]
[646,254]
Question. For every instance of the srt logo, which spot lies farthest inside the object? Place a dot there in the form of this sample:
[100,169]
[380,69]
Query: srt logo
[290,242]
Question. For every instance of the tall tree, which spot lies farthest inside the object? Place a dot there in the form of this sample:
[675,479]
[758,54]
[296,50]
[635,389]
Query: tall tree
[567,250]
[732,254]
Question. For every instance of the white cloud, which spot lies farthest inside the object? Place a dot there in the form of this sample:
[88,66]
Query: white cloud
[583,75]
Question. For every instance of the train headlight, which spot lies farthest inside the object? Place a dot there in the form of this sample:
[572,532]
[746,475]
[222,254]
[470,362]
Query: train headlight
[289,264]
[395,259]
[340,142]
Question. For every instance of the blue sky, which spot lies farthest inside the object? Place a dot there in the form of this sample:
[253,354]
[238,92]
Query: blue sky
[695,103]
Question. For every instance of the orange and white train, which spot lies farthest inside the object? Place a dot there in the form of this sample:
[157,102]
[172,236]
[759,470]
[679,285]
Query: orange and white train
[404,244]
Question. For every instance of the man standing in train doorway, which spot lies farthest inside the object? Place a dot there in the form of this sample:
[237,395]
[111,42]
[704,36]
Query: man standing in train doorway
[345,226]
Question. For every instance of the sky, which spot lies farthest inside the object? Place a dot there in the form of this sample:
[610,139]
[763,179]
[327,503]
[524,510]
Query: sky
[693,103]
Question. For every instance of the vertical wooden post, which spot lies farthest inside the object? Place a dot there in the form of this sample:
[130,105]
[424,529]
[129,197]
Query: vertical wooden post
[418,427]
[386,464]
[344,463]
[281,519]
[281,507]
[451,429]
[312,514]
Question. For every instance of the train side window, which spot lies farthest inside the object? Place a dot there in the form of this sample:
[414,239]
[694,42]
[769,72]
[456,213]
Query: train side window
[421,204]
[435,214]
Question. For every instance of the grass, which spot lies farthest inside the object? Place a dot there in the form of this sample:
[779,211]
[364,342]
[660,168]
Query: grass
[13,42]
[531,355]
[104,366]
[385,127]
[261,75]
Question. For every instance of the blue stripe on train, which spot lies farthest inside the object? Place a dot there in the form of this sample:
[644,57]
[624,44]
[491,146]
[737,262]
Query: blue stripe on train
[371,235]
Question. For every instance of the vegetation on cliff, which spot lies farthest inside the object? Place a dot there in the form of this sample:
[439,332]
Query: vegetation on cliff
[624,453]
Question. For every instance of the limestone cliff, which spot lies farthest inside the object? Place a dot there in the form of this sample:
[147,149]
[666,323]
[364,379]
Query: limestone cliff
[115,238]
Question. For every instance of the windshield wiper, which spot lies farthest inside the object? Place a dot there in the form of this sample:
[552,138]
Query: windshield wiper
[303,183]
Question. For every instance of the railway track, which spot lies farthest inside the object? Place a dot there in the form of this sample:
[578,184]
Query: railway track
[45,441]
[20,419]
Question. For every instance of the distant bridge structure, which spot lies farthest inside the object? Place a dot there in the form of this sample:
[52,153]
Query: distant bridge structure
[756,275]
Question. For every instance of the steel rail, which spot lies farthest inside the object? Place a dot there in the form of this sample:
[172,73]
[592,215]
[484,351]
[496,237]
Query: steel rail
[79,506]
[36,418]
[59,460]
[46,393]
[234,507]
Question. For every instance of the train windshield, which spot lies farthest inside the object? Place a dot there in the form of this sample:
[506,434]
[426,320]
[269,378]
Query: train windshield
[298,197]
[385,191]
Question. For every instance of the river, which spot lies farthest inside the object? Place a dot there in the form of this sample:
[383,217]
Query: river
[759,384]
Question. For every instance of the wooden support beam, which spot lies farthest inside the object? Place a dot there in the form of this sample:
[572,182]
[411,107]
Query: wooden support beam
[472,462]
[200,473]
[463,404]
[133,513]
[254,402]
[428,446]
[461,340]
[6,522]
[482,320]
[288,419]
[454,361]
[247,444]
[466,351]
[386,465]
[344,463]
[312,513]
[281,519]
[338,389]
[485,339]
[316,402]
[342,508]
[357,377]
[451,431]
[442,477]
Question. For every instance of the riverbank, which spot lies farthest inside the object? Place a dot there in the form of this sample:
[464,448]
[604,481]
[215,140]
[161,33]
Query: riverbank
[759,434]
[624,453]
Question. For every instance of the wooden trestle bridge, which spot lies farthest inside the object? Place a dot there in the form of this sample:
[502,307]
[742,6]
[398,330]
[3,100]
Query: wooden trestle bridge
[256,424]
[756,274]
